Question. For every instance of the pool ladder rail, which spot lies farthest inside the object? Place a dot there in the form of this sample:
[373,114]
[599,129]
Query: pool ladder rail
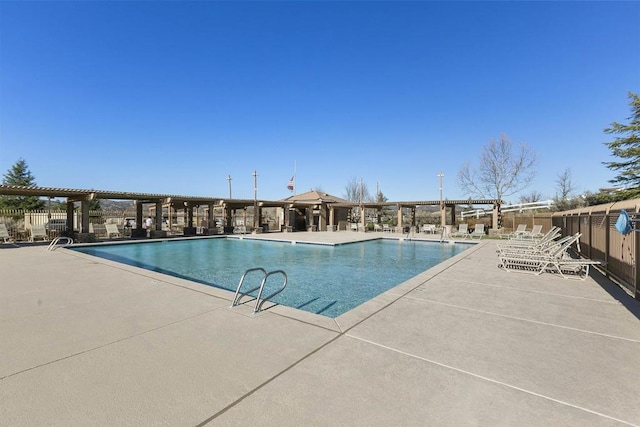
[265,275]
[61,241]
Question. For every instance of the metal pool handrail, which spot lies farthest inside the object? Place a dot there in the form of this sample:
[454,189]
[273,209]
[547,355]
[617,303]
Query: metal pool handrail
[238,295]
[59,240]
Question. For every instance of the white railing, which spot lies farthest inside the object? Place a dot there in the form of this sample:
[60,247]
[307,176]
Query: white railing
[518,207]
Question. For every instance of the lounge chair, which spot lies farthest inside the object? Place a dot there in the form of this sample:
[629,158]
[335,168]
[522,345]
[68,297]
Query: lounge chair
[386,228]
[556,259]
[535,233]
[521,230]
[112,230]
[463,231]
[562,264]
[478,231]
[4,234]
[548,247]
[377,227]
[549,237]
[38,232]
[353,226]
[428,228]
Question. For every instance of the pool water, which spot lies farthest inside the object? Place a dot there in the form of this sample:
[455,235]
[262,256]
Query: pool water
[322,279]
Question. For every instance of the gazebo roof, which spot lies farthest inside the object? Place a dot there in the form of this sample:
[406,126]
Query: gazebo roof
[314,196]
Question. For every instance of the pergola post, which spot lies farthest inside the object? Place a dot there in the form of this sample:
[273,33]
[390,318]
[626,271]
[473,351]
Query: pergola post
[138,214]
[70,208]
[211,220]
[84,222]
[158,220]
[413,216]
[287,215]
[332,216]
[322,226]
[495,223]
[189,209]
[400,218]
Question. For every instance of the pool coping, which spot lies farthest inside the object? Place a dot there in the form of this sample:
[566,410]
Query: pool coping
[340,324]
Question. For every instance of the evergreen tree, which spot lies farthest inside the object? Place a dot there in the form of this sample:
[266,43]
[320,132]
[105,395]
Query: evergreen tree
[19,174]
[626,147]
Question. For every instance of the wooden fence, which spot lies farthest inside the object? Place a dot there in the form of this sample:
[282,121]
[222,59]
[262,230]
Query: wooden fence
[600,239]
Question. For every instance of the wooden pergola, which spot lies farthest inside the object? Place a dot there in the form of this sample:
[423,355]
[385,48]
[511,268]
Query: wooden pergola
[320,207]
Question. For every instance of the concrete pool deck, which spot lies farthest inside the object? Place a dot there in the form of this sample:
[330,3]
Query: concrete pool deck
[85,341]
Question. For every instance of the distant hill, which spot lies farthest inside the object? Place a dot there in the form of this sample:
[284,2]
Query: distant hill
[117,205]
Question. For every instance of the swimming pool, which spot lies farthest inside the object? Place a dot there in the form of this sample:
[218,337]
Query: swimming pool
[323,279]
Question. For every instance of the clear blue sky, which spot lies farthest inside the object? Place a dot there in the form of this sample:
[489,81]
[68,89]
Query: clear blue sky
[171,97]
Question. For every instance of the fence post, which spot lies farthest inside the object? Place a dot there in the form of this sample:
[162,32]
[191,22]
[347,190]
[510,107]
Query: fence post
[636,277]
[607,239]
[590,225]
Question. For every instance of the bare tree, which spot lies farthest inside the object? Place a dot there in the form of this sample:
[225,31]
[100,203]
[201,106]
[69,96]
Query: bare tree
[532,197]
[501,171]
[565,196]
[356,191]
[565,185]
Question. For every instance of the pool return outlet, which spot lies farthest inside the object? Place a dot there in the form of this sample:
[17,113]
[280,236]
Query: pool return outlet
[265,275]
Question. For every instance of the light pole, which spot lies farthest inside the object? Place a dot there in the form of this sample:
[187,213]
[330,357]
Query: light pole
[443,220]
[255,200]
[229,181]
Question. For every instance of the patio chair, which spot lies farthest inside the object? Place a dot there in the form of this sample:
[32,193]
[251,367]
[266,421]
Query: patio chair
[463,231]
[548,247]
[38,232]
[112,230]
[429,228]
[377,227]
[386,228]
[520,230]
[558,262]
[478,231]
[555,259]
[4,234]
[550,236]
[535,233]
[353,226]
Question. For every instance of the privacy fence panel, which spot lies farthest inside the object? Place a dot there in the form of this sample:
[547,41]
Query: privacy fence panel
[600,239]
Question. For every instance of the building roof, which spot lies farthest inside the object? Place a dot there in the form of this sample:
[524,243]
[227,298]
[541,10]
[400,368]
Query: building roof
[314,196]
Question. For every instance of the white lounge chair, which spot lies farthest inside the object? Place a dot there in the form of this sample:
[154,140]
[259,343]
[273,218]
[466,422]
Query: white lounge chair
[549,237]
[38,232]
[377,227]
[555,260]
[547,247]
[535,233]
[463,231]
[478,231]
[522,228]
[428,228]
[112,230]
[4,233]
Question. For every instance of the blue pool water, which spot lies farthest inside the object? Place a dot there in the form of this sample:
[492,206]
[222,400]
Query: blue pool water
[323,279]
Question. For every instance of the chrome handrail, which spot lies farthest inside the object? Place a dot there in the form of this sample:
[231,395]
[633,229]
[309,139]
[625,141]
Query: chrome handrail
[259,303]
[52,246]
[259,300]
